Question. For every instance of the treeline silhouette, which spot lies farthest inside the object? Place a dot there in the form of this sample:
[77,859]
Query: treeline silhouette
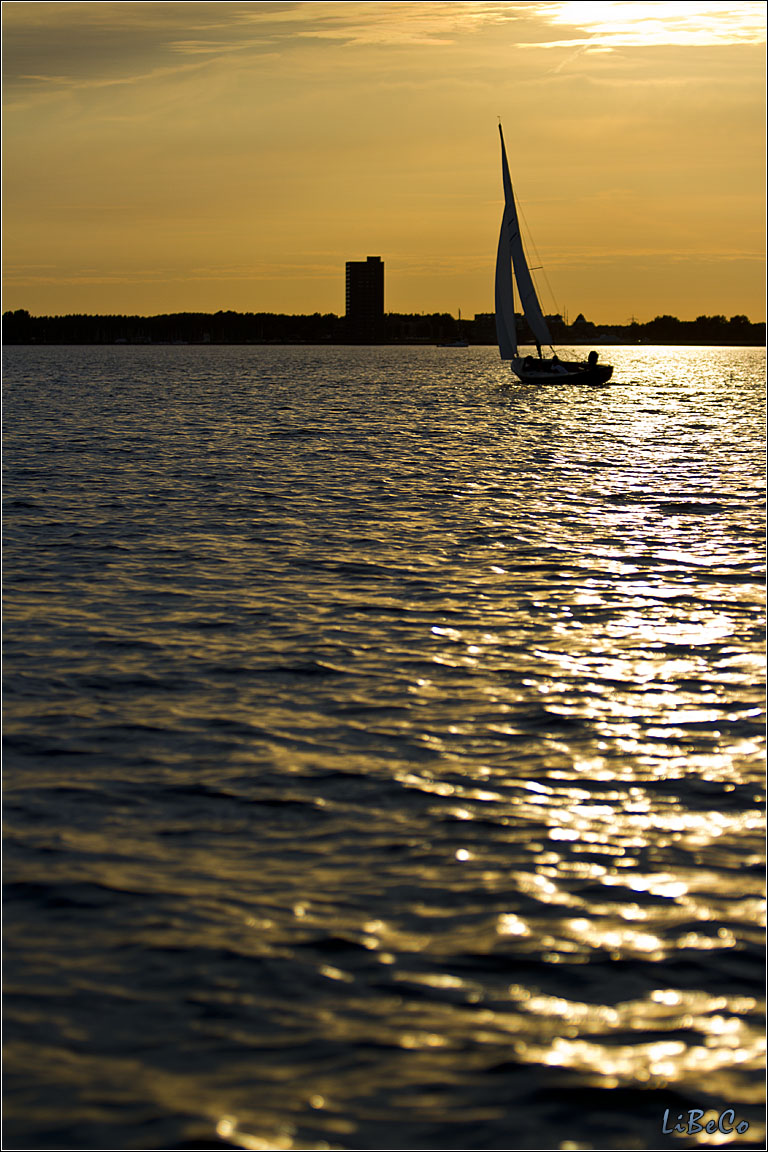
[20,327]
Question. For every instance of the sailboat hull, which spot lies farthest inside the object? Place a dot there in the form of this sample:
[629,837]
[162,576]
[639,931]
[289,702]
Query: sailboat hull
[530,370]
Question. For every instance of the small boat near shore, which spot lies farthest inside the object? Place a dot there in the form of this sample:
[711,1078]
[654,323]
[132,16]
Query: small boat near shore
[511,256]
[459,342]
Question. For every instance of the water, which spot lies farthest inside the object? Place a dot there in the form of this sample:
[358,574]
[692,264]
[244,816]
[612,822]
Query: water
[383,749]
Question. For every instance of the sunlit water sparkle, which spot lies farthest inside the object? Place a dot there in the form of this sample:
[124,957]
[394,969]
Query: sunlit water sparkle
[384,748]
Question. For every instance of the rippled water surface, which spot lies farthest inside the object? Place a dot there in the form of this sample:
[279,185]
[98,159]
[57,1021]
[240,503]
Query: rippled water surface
[383,749]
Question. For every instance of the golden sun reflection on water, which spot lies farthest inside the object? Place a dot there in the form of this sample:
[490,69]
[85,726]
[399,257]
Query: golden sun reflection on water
[228,1128]
[598,885]
[458,808]
[720,1038]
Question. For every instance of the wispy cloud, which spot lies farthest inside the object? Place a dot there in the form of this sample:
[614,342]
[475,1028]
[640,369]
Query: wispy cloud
[67,45]
[95,44]
[636,24]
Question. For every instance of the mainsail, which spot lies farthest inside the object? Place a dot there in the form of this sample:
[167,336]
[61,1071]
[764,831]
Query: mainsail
[511,247]
[505,296]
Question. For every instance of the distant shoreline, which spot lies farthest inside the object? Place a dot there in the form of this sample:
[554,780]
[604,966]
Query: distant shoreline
[265,328]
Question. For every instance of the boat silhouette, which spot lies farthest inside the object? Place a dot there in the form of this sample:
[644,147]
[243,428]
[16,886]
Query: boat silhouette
[511,257]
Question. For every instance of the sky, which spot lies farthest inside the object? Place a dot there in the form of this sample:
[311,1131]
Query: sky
[167,157]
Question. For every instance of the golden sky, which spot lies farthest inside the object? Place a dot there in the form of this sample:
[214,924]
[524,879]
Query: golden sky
[163,157]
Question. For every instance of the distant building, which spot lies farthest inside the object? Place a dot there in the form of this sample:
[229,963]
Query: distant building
[365,299]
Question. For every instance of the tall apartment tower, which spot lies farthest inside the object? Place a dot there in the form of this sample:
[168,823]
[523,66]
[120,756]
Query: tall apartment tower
[365,298]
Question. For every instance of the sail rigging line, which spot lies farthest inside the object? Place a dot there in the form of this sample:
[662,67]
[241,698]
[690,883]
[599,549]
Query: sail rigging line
[540,267]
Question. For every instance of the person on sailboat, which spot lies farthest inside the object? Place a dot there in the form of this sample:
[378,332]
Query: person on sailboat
[592,359]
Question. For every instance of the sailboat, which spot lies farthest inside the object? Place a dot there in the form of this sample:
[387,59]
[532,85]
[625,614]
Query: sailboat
[510,255]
